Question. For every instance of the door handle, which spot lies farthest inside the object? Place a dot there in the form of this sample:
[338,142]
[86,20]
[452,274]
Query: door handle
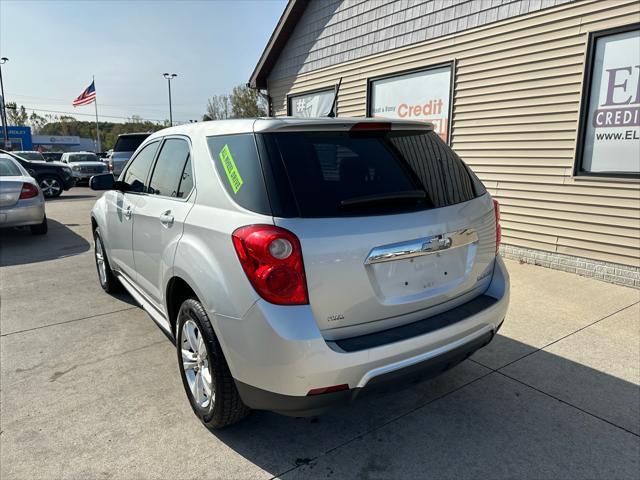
[127,213]
[166,218]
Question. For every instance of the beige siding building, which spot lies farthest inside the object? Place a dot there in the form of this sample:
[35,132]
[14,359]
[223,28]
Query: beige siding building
[541,98]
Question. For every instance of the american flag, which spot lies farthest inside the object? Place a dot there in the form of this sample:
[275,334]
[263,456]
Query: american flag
[86,97]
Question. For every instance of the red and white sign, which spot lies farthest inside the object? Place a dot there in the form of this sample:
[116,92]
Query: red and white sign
[423,95]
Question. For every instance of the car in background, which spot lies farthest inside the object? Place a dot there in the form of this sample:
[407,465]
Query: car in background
[31,155]
[84,165]
[52,156]
[52,177]
[126,144]
[105,157]
[21,199]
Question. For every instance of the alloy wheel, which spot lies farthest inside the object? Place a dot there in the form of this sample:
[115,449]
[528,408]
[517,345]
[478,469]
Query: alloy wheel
[102,267]
[50,187]
[195,362]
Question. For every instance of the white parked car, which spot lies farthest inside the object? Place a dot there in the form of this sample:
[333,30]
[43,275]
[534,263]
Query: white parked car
[298,262]
[84,165]
[21,199]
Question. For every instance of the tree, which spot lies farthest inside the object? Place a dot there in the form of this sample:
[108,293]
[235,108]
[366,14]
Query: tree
[246,103]
[69,126]
[16,116]
[243,102]
[218,108]
[135,119]
[37,122]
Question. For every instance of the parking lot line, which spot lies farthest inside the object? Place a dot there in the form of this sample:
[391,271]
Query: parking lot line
[67,321]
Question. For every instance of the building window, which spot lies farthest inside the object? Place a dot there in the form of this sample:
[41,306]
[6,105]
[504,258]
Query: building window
[417,95]
[609,135]
[317,103]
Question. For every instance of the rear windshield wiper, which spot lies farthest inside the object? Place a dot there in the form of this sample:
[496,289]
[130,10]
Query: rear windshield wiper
[384,197]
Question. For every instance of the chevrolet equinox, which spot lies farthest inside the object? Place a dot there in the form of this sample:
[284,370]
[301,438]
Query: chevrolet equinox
[297,263]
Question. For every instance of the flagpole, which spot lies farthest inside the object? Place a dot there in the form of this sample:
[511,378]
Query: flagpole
[95,104]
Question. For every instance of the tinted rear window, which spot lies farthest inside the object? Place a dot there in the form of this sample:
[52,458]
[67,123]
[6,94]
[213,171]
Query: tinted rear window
[129,143]
[31,156]
[334,174]
[8,168]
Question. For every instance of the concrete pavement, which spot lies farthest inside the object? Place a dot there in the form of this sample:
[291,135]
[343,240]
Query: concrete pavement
[90,387]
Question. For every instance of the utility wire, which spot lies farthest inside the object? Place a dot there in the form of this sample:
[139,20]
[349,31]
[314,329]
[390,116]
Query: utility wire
[73,114]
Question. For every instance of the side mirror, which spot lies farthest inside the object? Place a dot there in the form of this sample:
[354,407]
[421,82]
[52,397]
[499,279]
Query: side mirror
[31,172]
[121,186]
[103,182]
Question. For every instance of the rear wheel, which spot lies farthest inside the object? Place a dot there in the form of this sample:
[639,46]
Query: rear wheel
[108,280]
[41,228]
[51,186]
[204,370]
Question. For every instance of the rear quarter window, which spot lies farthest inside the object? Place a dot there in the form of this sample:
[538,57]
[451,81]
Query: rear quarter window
[236,160]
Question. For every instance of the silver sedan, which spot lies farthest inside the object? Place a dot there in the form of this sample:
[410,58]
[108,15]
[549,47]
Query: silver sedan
[21,199]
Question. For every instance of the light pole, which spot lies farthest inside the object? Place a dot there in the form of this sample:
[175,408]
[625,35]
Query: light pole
[3,113]
[169,77]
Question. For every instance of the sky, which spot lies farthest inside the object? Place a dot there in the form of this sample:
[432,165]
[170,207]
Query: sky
[54,48]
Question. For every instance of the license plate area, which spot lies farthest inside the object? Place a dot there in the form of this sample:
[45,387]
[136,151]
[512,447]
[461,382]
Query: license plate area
[423,276]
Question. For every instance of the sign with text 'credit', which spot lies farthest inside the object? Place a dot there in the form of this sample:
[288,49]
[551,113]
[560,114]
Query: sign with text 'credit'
[423,95]
[612,122]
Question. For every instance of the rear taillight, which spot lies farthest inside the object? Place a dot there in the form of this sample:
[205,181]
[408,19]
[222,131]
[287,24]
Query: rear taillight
[28,191]
[496,210]
[371,126]
[271,257]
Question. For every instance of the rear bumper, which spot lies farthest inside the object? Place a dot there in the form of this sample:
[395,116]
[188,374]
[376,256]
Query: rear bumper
[309,405]
[25,212]
[277,354]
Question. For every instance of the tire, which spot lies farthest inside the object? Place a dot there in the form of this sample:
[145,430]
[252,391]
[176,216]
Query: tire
[107,279]
[224,405]
[41,228]
[51,186]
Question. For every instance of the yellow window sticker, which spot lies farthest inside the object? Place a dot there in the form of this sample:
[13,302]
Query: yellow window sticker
[235,180]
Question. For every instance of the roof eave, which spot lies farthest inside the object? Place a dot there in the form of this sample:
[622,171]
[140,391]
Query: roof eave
[288,20]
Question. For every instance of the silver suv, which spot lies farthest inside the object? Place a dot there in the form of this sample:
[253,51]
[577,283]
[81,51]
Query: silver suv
[297,263]
[84,164]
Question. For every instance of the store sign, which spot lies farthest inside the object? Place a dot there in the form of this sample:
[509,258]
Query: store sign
[423,95]
[19,138]
[316,104]
[612,122]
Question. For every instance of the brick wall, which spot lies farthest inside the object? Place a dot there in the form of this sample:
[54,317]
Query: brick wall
[608,272]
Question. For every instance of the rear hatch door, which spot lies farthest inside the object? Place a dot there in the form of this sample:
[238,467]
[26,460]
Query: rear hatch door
[392,225]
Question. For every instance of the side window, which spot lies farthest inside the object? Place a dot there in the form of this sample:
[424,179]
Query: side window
[186,182]
[238,165]
[169,170]
[138,170]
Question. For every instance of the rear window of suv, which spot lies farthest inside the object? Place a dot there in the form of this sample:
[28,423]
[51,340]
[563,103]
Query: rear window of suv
[336,174]
[129,143]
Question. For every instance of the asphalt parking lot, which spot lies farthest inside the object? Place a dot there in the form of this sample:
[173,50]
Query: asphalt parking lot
[90,387]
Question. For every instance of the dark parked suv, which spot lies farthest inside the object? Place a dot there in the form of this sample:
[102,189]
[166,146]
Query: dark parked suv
[53,177]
